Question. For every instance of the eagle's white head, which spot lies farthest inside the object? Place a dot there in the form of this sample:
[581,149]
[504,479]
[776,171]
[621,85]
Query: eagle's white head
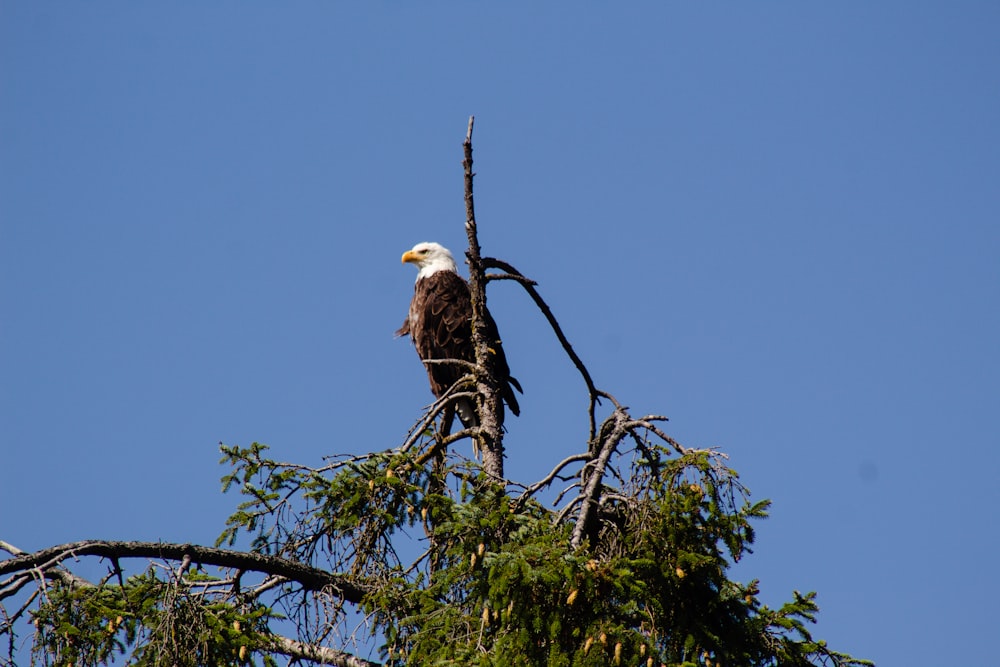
[430,258]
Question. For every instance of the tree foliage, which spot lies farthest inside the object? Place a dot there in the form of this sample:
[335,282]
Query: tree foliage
[420,556]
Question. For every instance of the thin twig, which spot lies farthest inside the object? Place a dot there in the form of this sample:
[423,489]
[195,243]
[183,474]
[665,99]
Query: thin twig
[647,423]
[524,280]
[446,440]
[434,410]
[534,488]
[563,493]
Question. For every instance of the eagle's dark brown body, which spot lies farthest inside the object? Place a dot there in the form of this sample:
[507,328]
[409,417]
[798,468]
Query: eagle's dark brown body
[440,324]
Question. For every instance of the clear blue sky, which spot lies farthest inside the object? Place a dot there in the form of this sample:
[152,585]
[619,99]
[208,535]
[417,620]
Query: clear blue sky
[777,223]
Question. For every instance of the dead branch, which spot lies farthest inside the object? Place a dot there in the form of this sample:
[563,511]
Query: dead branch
[445,440]
[318,654]
[436,408]
[310,578]
[548,479]
[613,430]
[454,362]
[490,436]
[529,287]
[506,276]
[647,423]
[11,585]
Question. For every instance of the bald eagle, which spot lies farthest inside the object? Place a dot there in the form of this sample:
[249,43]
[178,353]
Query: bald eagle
[440,324]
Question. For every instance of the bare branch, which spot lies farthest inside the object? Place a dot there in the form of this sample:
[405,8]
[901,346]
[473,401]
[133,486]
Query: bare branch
[647,423]
[507,276]
[562,494]
[318,654]
[436,408]
[185,564]
[490,435]
[618,428]
[564,512]
[446,440]
[454,362]
[534,488]
[307,576]
[59,574]
[529,286]
[12,585]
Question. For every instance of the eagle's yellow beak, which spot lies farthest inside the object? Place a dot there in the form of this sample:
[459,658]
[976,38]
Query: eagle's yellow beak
[410,256]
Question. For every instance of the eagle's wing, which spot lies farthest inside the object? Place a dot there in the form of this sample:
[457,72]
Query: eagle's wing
[441,328]
[507,382]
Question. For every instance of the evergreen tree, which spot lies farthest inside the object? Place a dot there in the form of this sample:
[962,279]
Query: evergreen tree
[618,556]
